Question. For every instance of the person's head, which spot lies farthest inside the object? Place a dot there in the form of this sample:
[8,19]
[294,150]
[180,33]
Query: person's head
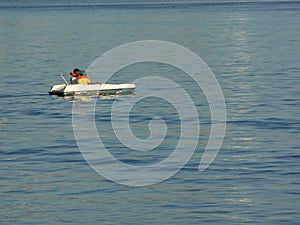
[82,72]
[76,70]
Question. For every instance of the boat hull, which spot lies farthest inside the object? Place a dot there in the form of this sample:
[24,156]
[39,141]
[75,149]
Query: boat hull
[91,89]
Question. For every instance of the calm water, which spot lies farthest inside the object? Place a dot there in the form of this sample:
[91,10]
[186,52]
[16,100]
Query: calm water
[254,51]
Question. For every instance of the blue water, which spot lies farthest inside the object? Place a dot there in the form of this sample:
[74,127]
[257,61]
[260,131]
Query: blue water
[253,50]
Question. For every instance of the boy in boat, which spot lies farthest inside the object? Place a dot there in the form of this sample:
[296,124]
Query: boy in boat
[74,75]
[79,77]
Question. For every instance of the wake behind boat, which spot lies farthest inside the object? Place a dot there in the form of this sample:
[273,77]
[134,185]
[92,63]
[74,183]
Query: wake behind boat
[91,89]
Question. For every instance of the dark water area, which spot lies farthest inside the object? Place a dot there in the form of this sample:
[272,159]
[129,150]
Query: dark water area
[253,49]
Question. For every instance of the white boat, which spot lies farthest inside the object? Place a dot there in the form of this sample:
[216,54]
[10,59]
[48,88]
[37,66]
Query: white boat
[91,89]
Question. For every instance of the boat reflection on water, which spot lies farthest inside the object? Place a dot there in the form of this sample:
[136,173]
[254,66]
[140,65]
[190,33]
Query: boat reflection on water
[90,97]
